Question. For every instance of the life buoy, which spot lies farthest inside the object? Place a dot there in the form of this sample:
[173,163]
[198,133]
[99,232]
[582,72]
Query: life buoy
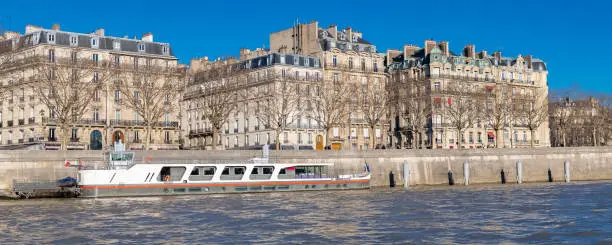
[167,178]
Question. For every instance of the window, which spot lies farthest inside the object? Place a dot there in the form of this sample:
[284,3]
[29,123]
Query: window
[238,171]
[282,59]
[165,49]
[116,45]
[94,42]
[167,137]
[336,77]
[118,115]
[366,133]
[73,40]
[117,60]
[117,95]
[73,56]
[74,133]
[96,77]
[136,117]
[299,138]
[94,57]
[335,132]
[297,75]
[96,115]
[524,136]
[350,63]
[51,38]
[479,137]
[51,55]
[471,137]
[335,60]
[375,67]
[378,135]
[503,75]
[141,47]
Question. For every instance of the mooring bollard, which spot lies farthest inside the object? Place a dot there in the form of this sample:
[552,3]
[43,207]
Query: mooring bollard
[466,172]
[566,166]
[391,180]
[451,181]
[519,172]
[406,174]
[550,179]
[503,177]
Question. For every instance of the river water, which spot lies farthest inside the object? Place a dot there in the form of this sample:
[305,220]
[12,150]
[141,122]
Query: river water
[576,213]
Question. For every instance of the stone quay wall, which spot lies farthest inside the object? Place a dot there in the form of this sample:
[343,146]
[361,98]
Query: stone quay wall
[427,167]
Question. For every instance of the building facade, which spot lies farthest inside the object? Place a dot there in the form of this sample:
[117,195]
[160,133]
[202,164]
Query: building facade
[346,57]
[27,120]
[429,84]
[250,83]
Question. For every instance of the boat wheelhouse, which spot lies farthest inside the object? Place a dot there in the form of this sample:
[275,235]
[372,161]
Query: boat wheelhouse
[121,176]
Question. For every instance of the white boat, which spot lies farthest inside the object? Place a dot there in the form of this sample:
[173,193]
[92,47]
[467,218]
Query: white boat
[121,176]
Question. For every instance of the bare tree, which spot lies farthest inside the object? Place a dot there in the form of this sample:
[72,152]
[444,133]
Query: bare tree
[330,105]
[415,107]
[463,109]
[67,89]
[496,111]
[216,106]
[151,93]
[279,107]
[374,106]
[598,116]
[532,112]
[560,111]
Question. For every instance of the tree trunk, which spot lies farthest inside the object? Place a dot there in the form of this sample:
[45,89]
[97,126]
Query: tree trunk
[594,136]
[459,142]
[532,132]
[63,142]
[373,146]
[498,140]
[214,136]
[327,142]
[563,135]
[278,132]
[421,142]
[148,137]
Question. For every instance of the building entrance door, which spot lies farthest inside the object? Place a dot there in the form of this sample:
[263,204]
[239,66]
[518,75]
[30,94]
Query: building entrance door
[319,142]
[95,140]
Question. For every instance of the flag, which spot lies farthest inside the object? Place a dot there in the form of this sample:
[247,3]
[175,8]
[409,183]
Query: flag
[290,169]
[66,163]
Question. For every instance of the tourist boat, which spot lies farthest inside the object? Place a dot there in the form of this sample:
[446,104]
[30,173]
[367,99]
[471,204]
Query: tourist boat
[121,176]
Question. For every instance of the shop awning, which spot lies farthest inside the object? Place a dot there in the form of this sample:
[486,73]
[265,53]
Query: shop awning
[491,134]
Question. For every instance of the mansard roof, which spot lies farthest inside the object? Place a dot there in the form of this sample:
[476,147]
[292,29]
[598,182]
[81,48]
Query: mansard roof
[63,38]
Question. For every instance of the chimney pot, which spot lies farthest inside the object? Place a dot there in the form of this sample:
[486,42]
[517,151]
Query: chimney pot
[148,37]
[56,27]
[100,32]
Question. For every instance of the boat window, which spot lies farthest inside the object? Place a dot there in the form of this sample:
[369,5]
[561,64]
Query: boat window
[238,171]
[209,170]
[254,171]
[282,171]
[195,171]
[225,171]
[268,170]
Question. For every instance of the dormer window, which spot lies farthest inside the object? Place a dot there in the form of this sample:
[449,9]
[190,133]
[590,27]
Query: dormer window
[94,42]
[165,49]
[141,47]
[51,38]
[73,40]
[355,38]
[342,36]
[116,45]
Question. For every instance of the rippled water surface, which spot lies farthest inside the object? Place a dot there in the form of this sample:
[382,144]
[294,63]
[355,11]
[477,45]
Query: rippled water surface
[577,213]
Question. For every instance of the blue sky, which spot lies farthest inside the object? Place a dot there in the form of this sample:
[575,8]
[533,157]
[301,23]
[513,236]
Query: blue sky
[573,37]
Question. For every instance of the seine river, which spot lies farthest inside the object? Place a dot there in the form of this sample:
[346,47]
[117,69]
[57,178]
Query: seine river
[576,213]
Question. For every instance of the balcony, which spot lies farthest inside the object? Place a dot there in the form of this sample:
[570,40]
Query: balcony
[20,141]
[137,141]
[167,141]
[21,121]
[9,123]
[74,139]
[52,139]
[31,120]
[30,140]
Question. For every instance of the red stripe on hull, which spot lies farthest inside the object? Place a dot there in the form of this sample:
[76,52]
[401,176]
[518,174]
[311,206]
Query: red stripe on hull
[181,185]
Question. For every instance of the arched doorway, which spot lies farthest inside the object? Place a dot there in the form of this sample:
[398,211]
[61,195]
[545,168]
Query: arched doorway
[319,141]
[95,140]
[118,135]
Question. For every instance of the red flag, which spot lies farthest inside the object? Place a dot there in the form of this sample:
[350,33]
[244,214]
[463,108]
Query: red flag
[66,163]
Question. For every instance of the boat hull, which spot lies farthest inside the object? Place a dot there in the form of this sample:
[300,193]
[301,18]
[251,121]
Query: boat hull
[170,189]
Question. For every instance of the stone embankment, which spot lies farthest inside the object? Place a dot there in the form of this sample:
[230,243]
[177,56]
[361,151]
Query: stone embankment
[427,167]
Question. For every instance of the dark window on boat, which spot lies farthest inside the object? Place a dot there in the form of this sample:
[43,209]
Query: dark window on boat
[238,171]
[195,171]
[282,171]
[225,171]
[255,170]
[209,170]
[268,170]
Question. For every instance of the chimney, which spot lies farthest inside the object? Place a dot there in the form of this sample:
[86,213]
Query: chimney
[56,27]
[147,37]
[349,34]
[333,30]
[469,51]
[100,32]
[529,61]
[32,28]
[409,50]
[392,53]
[444,47]
[429,45]
[497,56]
